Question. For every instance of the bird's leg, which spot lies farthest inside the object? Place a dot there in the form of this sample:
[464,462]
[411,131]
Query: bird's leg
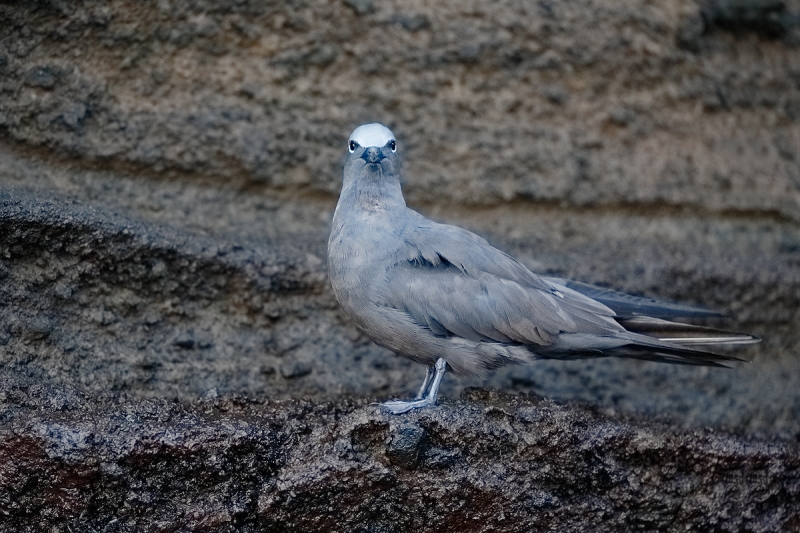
[439,368]
[424,388]
[398,407]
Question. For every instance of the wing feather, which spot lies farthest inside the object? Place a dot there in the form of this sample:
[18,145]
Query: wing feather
[453,281]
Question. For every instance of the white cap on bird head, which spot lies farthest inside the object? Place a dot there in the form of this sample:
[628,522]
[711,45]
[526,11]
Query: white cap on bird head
[369,135]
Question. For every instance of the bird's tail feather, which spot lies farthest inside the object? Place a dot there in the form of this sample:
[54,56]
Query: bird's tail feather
[652,339]
[655,339]
[677,355]
[684,334]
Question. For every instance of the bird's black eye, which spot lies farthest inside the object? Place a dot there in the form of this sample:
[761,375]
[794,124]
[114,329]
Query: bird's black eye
[393,146]
[353,145]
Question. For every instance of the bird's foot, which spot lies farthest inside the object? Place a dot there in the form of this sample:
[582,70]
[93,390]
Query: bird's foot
[398,407]
[427,393]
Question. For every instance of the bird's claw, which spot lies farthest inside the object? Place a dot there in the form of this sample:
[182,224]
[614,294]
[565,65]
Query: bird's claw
[398,407]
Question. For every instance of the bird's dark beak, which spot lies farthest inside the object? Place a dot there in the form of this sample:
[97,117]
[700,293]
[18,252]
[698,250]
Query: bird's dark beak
[372,154]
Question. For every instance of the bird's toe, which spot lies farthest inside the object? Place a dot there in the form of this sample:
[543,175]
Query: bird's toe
[398,407]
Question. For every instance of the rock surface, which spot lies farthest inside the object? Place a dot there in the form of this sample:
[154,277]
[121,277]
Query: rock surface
[489,462]
[168,171]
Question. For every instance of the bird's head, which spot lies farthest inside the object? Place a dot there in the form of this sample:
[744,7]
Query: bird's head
[372,147]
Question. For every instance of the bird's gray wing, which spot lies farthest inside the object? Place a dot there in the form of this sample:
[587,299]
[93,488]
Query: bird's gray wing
[454,283]
[430,242]
[627,305]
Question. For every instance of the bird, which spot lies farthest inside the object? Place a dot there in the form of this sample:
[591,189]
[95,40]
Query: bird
[444,297]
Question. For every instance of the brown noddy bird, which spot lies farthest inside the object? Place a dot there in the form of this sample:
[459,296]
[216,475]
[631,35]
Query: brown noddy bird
[444,297]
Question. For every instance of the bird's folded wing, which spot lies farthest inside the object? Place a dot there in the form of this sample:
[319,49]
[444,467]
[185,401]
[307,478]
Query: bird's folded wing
[454,283]
[627,305]
[433,243]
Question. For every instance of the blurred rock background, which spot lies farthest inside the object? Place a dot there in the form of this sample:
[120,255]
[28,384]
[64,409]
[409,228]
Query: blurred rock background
[168,171]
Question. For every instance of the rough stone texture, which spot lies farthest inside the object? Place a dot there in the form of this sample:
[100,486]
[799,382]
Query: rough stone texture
[490,462]
[168,171]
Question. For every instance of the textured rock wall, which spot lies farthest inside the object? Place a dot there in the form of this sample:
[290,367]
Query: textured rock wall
[168,171]
[574,103]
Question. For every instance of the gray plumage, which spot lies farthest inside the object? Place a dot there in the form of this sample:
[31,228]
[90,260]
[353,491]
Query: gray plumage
[438,293]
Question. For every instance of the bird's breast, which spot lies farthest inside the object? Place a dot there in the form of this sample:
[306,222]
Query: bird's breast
[361,247]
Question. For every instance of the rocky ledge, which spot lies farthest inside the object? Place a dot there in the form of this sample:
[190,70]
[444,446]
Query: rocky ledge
[487,462]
